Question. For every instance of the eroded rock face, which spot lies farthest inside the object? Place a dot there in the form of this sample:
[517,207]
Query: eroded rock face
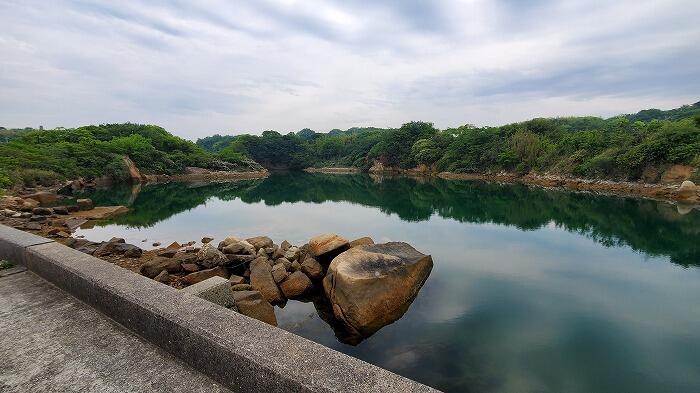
[325,247]
[371,286]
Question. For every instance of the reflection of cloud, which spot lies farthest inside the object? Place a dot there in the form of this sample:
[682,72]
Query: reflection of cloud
[202,67]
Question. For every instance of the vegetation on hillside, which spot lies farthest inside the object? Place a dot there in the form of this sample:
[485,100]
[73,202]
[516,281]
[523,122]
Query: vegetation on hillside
[44,156]
[620,147]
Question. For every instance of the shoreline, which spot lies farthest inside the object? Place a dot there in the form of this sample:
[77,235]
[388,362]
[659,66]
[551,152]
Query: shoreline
[663,192]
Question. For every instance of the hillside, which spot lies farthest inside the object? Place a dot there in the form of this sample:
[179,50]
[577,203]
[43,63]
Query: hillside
[625,147]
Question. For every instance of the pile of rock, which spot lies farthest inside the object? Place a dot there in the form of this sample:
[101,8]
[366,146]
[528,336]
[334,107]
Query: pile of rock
[367,285]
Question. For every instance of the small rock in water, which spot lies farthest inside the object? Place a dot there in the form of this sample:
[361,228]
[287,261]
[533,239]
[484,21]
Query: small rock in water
[156,244]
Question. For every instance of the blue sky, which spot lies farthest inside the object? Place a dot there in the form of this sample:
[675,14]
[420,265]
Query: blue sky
[210,66]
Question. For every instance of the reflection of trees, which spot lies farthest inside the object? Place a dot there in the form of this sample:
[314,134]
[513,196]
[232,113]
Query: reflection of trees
[647,226]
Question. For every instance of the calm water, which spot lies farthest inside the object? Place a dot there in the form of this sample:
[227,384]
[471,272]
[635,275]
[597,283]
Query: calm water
[532,290]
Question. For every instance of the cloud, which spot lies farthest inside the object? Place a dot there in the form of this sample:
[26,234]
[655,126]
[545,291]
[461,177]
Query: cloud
[247,66]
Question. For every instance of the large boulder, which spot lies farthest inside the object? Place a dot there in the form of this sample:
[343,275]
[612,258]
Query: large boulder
[153,267]
[296,285]
[254,305]
[261,279]
[325,247]
[208,256]
[687,190]
[371,286]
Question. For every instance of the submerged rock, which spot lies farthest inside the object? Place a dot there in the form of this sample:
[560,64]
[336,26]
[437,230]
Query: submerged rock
[372,286]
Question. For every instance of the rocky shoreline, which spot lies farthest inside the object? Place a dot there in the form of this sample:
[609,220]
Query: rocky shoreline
[673,184]
[356,286]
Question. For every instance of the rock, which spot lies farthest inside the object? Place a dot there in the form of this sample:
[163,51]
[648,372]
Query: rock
[241,287]
[155,244]
[271,250]
[371,286]
[163,277]
[312,268]
[208,256]
[8,212]
[33,226]
[28,204]
[261,253]
[215,289]
[43,197]
[261,280]
[285,262]
[42,211]
[235,280]
[85,204]
[190,267]
[325,247]
[361,241]
[134,173]
[296,285]
[206,240]
[153,267]
[236,258]
[37,218]
[296,266]
[254,305]
[202,275]
[260,242]
[227,241]
[285,245]
[292,253]
[167,253]
[62,210]
[239,247]
[128,250]
[73,223]
[279,273]
[174,246]
[117,240]
[101,212]
[62,234]
[687,190]
[116,246]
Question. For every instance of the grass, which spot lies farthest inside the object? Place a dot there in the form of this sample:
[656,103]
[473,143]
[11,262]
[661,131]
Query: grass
[5,264]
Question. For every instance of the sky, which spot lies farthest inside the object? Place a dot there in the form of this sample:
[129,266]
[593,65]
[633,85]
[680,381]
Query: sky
[230,67]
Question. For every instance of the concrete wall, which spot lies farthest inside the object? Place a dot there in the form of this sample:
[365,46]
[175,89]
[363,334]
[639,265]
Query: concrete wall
[239,352]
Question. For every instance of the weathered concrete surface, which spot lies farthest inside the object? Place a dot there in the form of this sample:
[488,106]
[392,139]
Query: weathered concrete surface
[51,342]
[13,242]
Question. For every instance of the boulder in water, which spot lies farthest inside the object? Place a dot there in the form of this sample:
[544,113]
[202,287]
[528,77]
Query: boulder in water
[371,286]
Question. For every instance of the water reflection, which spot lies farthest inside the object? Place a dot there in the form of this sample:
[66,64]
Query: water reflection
[651,227]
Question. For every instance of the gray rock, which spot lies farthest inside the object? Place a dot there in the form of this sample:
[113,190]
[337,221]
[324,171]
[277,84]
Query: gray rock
[208,256]
[285,245]
[152,268]
[163,277]
[42,211]
[215,289]
[167,253]
[85,204]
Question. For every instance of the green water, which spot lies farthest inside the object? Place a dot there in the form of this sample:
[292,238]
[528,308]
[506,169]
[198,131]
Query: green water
[532,290]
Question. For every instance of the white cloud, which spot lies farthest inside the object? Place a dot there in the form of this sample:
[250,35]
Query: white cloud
[248,66]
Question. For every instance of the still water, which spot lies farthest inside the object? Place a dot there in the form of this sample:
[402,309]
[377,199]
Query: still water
[532,290]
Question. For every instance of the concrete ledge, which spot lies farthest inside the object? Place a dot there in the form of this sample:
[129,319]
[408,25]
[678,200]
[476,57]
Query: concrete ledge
[13,243]
[243,354]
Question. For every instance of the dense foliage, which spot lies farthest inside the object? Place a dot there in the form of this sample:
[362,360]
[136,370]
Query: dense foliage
[44,156]
[620,147]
